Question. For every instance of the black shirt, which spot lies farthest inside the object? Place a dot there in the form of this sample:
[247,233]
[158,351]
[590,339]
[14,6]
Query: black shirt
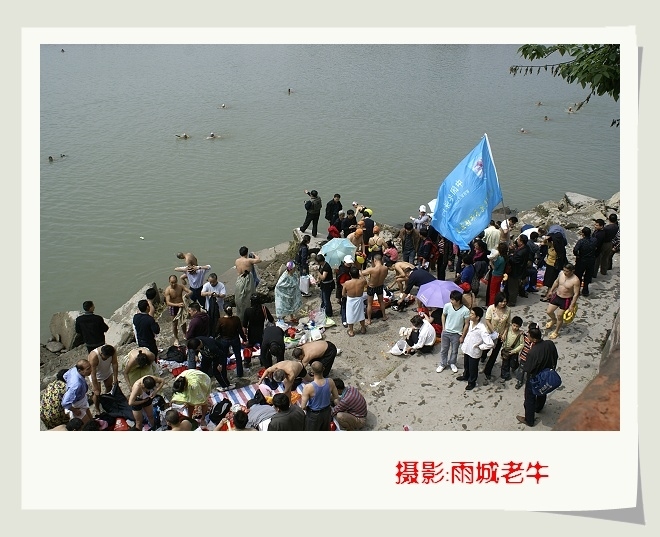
[146,328]
[92,328]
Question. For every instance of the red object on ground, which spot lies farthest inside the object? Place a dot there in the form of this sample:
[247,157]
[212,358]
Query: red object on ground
[120,425]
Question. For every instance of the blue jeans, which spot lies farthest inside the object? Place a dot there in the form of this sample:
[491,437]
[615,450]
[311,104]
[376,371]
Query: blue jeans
[235,345]
[326,298]
[408,256]
[449,345]
[343,309]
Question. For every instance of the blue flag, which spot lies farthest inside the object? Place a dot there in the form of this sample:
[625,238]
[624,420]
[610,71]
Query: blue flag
[468,197]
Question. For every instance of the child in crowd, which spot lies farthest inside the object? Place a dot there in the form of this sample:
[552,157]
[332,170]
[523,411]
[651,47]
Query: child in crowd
[522,357]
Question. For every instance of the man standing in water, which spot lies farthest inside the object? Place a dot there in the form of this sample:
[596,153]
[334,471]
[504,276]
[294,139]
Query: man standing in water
[245,284]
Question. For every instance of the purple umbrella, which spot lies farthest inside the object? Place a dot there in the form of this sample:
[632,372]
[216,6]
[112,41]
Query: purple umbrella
[435,294]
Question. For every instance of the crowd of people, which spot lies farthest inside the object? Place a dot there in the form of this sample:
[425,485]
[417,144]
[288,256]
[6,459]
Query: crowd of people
[507,262]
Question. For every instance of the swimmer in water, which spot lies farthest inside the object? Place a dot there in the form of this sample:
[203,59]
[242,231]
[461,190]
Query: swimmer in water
[50,158]
[524,131]
[539,103]
[222,105]
[545,118]
[184,136]
[211,136]
[570,109]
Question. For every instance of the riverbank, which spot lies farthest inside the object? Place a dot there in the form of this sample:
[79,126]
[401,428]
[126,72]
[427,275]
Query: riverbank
[407,390]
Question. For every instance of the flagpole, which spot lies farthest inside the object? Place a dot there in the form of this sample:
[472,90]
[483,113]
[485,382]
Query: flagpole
[498,177]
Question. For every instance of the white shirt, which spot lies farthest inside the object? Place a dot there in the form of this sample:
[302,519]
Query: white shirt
[218,288]
[476,340]
[426,335]
[492,237]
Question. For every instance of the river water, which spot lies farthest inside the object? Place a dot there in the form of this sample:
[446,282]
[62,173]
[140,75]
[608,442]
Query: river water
[379,124]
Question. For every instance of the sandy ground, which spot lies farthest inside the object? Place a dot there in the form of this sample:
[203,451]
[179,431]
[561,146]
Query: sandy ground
[408,391]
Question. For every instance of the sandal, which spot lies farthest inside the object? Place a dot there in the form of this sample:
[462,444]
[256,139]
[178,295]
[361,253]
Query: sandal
[554,335]
[363,330]
[350,333]
[549,325]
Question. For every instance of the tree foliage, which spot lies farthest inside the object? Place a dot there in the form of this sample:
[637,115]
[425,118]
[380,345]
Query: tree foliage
[596,67]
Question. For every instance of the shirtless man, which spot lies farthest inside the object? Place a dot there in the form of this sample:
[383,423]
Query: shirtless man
[105,368]
[141,399]
[176,422]
[291,372]
[176,306]
[401,278]
[323,351]
[189,258]
[357,241]
[245,284]
[567,289]
[377,274]
[353,290]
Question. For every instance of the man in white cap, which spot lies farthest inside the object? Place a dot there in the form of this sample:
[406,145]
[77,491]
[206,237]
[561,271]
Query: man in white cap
[423,221]
[343,276]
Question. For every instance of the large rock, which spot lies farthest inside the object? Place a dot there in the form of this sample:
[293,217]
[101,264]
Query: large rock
[598,408]
[63,329]
[124,314]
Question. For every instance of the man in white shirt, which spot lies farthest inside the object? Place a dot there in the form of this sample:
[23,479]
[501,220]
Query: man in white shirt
[492,236]
[214,289]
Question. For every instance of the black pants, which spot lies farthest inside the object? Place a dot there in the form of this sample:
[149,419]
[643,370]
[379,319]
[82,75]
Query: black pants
[507,364]
[216,365]
[584,271]
[196,296]
[326,297]
[327,359]
[318,420]
[311,219]
[533,403]
[492,357]
[471,369]
[232,344]
[512,289]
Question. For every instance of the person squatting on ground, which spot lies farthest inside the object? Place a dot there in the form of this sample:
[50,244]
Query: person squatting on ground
[350,409]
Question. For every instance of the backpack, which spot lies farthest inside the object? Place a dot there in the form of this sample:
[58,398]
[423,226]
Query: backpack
[545,382]
[176,354]
[434,253]
[219,411]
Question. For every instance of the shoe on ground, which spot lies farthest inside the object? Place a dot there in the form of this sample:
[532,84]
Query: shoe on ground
[454,369]
[504,379]
[440,368]
[518,385]
[521,419]
[470,386]
[462,377]
[585,293]
[345,324]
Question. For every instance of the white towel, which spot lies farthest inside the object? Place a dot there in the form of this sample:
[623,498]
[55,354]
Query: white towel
[354,309]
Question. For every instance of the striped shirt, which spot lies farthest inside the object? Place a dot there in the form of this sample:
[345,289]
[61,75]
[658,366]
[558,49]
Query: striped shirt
[351,401]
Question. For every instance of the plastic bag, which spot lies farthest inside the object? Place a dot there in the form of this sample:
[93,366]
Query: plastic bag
[399,348]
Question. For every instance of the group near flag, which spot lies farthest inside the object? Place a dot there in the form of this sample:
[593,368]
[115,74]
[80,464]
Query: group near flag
[467,197]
